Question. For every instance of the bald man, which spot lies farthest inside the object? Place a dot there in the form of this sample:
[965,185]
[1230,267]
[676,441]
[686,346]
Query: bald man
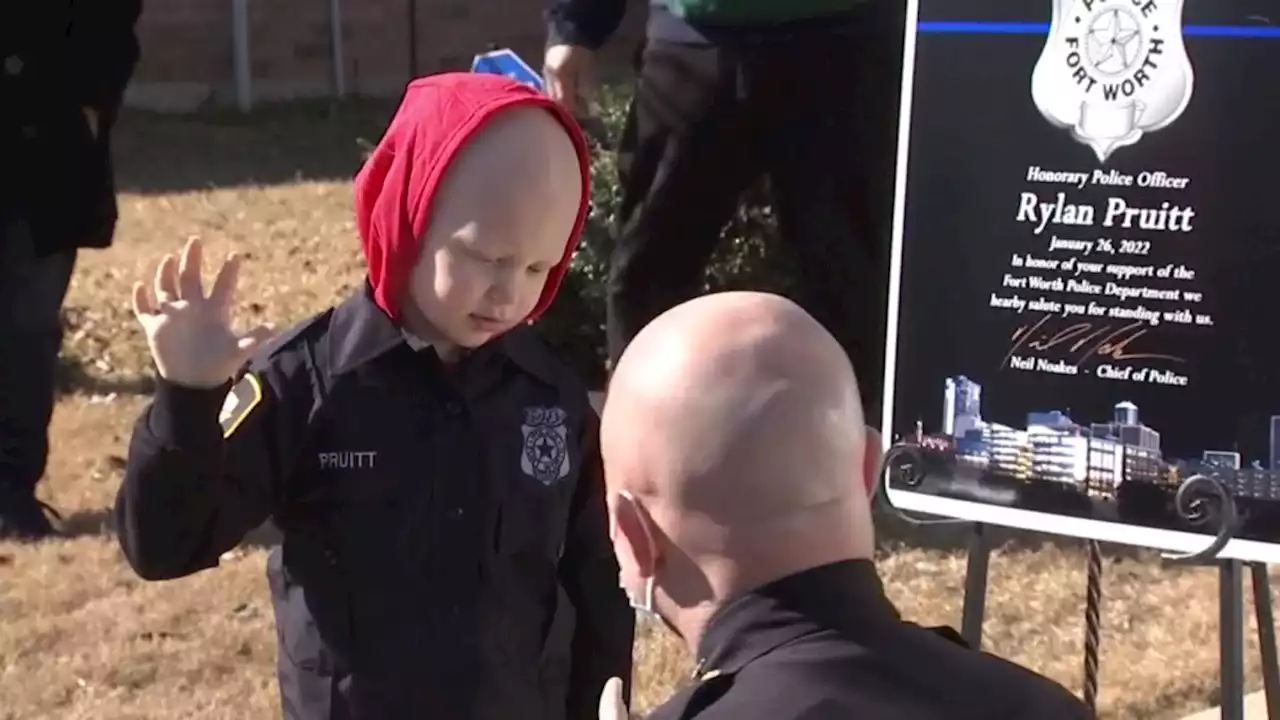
[739,472]
[433,467]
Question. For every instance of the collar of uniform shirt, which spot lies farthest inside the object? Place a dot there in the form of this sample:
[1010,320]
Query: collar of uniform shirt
[362,331]
[418,345]
[847,596]
[414,341]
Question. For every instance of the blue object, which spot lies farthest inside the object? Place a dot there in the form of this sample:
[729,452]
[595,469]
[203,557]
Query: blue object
[506,62]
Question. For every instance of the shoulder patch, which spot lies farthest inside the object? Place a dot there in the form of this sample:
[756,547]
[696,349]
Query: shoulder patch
[245,396]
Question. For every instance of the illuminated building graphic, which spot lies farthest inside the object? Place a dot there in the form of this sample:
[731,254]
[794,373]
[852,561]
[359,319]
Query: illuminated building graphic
[1096,459]
[961,406]
[1222,459]
[1273,457]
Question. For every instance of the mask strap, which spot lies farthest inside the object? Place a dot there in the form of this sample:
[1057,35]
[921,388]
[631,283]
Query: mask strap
[646,601]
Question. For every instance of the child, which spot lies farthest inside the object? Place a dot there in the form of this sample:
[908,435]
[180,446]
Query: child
[432,466]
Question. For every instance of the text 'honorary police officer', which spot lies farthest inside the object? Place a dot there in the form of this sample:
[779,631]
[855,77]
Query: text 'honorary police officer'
[433,468]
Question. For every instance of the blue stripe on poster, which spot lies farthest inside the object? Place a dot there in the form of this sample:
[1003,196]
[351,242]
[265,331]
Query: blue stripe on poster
[1015,28]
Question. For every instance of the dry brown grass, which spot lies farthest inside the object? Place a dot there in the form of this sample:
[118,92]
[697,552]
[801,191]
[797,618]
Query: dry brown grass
[82,638]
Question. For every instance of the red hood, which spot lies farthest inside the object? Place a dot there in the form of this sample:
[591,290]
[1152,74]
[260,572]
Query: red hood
[395,187]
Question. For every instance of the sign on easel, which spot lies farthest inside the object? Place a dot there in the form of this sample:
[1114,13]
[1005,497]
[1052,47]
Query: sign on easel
[1086,268]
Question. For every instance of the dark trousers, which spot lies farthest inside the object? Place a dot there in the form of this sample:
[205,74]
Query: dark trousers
[31,293]
[817,112]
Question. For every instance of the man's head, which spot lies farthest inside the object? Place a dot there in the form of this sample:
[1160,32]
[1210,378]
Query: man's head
[735,452]
[470,207]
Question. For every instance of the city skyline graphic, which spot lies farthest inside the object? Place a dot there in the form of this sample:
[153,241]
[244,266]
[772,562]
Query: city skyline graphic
[1092,458]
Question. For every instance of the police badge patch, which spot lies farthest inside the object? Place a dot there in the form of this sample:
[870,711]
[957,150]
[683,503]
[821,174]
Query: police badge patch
[545,454]
[243,398]
[1112,70]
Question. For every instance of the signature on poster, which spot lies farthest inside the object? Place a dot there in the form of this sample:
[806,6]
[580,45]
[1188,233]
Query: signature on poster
[1064,349]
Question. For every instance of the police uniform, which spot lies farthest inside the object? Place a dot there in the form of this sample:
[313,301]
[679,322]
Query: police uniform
[446,550]
[826,644]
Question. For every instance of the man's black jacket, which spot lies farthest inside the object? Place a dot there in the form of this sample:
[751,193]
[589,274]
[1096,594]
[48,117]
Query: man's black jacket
[57,59]
[826,644]
[446,549]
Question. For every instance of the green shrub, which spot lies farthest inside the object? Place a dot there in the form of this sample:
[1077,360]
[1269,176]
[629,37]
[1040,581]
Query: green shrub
[749,255]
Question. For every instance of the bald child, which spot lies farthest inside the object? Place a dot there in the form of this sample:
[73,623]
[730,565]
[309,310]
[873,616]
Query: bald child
[739,470]
[433,467]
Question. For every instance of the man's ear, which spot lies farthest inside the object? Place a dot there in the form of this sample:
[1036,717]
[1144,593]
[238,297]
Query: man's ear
[633,534]
[872,456]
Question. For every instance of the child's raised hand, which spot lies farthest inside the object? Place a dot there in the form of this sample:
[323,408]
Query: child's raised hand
[189,333]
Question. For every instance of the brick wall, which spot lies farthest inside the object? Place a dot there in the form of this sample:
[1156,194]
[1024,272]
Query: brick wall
[187,49]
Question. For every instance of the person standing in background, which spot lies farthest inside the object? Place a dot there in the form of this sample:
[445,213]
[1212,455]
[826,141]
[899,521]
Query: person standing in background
[64,67]
[805,91]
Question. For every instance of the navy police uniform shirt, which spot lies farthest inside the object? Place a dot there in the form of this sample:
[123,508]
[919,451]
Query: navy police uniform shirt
[826,644]
[446,549]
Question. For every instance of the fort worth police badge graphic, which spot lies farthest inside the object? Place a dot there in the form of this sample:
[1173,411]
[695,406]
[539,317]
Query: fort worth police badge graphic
[1113,70]
[546,447]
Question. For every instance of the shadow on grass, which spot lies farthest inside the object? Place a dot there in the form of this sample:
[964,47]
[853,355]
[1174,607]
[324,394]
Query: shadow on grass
[102,522]
[72,376]
[279,143]
[88,523]
[305,140]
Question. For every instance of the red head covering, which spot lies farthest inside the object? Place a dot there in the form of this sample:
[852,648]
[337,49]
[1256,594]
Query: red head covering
[397,184]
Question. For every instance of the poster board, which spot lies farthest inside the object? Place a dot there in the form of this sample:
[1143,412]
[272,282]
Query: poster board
[1085,271]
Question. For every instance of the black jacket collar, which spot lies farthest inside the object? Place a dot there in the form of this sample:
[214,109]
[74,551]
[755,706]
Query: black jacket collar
[360,332]
[845,596]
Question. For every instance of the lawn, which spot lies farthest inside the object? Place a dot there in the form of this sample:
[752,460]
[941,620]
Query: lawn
[83,638]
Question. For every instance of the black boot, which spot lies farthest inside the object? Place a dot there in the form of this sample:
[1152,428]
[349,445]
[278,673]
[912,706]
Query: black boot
[25,519]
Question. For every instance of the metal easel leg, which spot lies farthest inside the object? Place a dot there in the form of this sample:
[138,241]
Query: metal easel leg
[903,465]
[1262,603]
[1231,630]
[975,587]
[1092,626]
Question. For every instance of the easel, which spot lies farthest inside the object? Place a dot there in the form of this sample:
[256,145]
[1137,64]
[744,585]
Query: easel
[1192,502]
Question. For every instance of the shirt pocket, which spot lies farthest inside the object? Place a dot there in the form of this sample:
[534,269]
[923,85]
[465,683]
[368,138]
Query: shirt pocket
[370,481]
[527,520]
[536,477]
